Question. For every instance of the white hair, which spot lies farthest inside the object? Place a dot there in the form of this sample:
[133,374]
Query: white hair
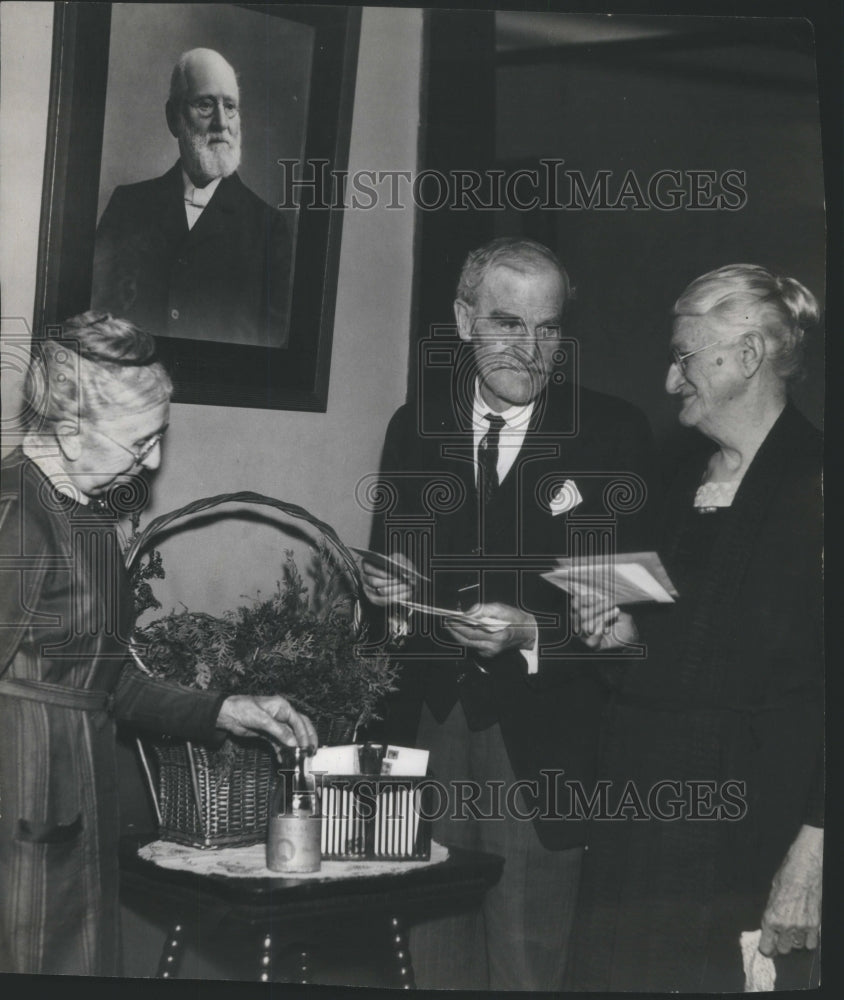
[751,296]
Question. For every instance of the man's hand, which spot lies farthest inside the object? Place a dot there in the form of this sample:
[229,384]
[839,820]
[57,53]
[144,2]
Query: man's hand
[382,588]
[792,918]
[599,623]
[271,715]
[490,640]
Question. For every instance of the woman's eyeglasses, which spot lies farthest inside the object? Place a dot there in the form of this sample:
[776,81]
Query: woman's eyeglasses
[140,453]
[678,359]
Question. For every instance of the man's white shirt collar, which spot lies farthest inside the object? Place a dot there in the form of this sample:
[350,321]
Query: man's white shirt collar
[516,423]
[197,198]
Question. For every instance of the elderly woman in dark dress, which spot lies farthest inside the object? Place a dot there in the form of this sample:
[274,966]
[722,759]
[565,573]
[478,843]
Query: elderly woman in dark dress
[98,405]
[720,727]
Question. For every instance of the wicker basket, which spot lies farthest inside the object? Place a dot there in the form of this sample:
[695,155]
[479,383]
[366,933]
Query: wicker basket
[202,806]
[197,803]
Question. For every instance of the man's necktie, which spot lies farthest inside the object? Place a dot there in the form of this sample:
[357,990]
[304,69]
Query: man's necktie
[488,457]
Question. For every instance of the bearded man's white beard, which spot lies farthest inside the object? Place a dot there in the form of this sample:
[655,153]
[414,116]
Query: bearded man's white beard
[207,160]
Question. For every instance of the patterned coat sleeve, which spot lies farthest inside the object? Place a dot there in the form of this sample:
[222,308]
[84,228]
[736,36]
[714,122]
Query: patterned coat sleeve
[161,707]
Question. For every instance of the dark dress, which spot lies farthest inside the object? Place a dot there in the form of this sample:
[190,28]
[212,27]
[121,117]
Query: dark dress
[66,613]
[730,695]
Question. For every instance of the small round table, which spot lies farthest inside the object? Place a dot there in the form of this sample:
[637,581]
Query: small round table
[251,919]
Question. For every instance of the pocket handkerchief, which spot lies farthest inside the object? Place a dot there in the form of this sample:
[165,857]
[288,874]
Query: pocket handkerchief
[565,498]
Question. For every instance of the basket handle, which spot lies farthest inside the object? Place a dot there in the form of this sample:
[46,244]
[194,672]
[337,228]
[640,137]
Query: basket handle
[197,797]
[148,775]
[197,506]
[158,524]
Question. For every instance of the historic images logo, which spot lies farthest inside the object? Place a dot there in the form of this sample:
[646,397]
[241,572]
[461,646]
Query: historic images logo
[548,186]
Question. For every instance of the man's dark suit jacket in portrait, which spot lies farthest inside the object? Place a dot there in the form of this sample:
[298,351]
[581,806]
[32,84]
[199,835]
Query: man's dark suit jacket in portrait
[227,279]
[549,720]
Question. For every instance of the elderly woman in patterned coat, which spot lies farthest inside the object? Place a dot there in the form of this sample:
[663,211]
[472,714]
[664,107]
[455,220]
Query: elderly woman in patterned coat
[719,729]
[97,409]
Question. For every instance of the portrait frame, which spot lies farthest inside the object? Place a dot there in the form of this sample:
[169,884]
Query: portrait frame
[292,377]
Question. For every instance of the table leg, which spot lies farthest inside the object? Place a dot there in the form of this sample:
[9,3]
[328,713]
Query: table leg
[401,952]
[269,953]
[171,953]
[304,965]
[265,967]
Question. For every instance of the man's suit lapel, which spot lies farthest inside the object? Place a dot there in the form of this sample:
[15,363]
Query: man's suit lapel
[549,455]
[458,528]
[172,220]
[215,219]
[544,463]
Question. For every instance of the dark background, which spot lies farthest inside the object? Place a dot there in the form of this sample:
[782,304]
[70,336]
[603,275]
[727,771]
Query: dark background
[633,93]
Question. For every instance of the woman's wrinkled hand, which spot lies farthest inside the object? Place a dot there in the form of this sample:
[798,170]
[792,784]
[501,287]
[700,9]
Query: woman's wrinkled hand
[266,715]
[599,623]
[792,918]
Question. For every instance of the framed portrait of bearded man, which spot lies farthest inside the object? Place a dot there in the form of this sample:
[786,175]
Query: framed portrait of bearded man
[192,150]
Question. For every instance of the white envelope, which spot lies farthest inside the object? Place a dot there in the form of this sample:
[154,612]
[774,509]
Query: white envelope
[404,762]
[336,760]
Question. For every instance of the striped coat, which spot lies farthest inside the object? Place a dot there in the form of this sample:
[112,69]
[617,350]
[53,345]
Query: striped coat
[65,616]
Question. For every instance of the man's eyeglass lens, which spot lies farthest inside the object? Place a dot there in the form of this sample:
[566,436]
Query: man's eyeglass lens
[206,107]
[515,326]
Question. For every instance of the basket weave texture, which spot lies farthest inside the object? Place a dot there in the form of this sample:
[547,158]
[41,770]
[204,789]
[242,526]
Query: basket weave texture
[230,808]
[197,802]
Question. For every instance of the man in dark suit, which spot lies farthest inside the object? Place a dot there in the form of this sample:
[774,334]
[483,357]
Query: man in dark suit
[502,464]
[195,254]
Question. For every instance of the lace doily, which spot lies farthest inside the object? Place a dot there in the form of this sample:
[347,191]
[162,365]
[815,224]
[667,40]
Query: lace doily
[250,862]
[715,494]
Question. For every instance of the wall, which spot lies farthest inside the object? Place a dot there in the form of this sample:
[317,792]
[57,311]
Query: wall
[25,33]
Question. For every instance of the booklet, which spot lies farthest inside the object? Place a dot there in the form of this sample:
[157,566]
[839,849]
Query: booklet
[628,578]
[411,575]
[484,622]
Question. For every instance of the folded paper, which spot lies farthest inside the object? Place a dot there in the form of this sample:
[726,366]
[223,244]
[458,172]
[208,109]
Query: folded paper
[485,622]
[399,762]
[630,578]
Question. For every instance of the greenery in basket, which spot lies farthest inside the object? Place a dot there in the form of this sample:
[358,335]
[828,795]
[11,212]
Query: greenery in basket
[300,642]
[143,571]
